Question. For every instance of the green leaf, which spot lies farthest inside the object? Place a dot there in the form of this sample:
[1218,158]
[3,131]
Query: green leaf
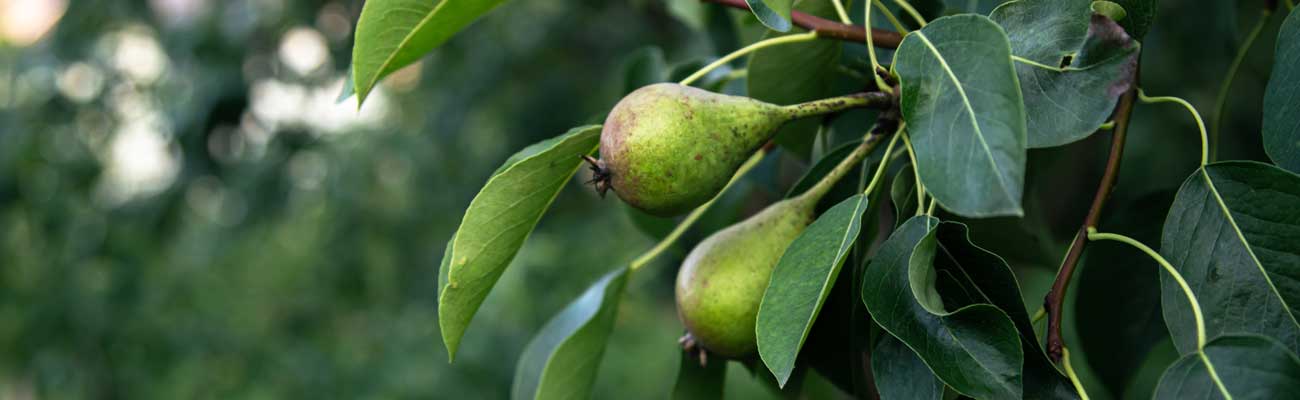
[690,12]
[699,382]
[974,349]
[1242,366]
[1232,233]
[900,374]
[967,274]
[795,73]
[903,193]
[1067,102]
[962,104]
[1282,98]
[498,221]
[392,34]
[1140,15]
[800,283]
[562,360]
[846,187]
[775,14]
[349,88]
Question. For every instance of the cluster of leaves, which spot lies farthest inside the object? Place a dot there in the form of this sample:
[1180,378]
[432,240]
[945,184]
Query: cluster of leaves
[976,93]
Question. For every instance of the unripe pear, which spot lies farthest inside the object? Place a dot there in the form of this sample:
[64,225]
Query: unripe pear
[668,148]
[721,283]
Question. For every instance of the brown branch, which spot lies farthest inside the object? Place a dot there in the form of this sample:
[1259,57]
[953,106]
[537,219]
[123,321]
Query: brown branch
[1056,297]
[830,29]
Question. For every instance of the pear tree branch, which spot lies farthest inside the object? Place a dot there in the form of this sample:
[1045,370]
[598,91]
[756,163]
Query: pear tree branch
[830,29]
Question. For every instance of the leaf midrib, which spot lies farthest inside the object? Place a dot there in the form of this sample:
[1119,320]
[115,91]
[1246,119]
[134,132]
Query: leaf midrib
[970,110]
[373,80]
[1232,221]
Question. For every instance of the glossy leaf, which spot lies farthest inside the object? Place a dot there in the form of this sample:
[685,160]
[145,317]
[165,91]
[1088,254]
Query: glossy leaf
[1075,66]
[1282,98]
[962,104]
[900,374]
[774,14]
[1242,366]
[699,382]
[498,221]
[1232,233]
[562,360]
[974,349]
[795,73]
[968,274]
[800,283]
[392,34]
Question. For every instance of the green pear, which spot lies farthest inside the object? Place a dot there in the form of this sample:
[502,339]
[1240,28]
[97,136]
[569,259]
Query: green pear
[721,282]
[668,148]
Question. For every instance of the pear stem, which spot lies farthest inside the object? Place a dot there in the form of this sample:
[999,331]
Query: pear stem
[815,193]
[826,106]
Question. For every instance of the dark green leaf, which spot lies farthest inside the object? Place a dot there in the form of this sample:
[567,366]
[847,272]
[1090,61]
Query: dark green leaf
[962,104]
[800,283]
[499,219]
[900,374]
[1240,366]
[1232,233]
[392,34]
[795,73]
[974,349]
[1141,14]
[903,193]
[690,12]
[846,187]
[968,274]
[1282,98]
[562,360]
[775,14]
[699,382]
[1067,101]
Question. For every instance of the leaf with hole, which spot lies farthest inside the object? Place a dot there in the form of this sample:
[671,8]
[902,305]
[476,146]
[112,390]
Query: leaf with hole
[392,34]
[562,360]
[1282,98]
[498,221]
[965,115]
[1073,66]
[800,283]
[1235,367]
[1232,233]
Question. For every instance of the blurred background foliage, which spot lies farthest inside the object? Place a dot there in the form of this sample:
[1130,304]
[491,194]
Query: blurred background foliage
[187,210]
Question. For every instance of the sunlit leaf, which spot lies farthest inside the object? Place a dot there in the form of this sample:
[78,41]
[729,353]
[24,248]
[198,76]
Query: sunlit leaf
[1240,366]
[775,14]
[1282,98]
[962,104]
[974,349]
[562,360]
[498,221]
[1075,66]
[392,34]
[1232,233]
[800,283]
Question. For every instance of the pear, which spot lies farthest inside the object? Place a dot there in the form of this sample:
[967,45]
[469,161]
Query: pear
[721,282]
[668,148]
